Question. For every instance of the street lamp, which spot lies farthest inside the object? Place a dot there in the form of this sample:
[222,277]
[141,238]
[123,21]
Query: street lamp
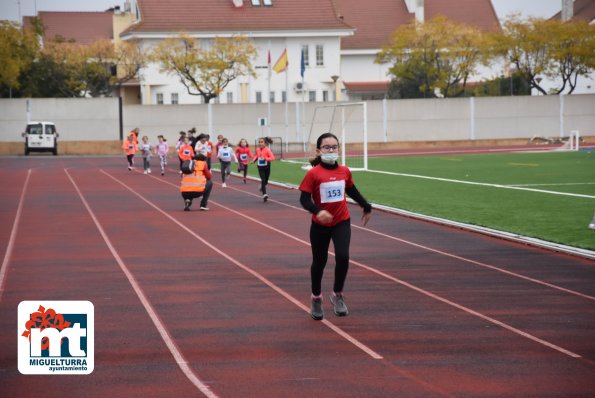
[335,78]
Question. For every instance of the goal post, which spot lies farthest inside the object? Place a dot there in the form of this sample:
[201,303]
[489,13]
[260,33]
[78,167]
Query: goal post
[349,122]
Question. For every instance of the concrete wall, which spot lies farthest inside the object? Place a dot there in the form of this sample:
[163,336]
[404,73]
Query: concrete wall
[91,122]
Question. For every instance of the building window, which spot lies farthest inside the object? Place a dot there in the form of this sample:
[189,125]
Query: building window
[174,98]
[216,100]
[319,55]
[283,96]
[325,96]
[230,98]
[259,97]
[267,3]
[272,97]
[256,3]
[159,99]
[312,96]
[305,54]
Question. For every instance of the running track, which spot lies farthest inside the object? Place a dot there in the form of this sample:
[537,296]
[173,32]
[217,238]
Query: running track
[216,303]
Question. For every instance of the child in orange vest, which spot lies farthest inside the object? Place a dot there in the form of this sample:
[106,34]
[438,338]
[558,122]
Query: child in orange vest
[130,149]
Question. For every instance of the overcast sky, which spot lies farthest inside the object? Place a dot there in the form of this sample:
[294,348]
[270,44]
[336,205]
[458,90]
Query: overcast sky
[12,9]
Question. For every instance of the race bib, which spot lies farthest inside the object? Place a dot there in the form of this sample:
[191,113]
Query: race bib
[262,162]
[243,156]
[130,147]
[332,191]
[226,156]
[186,152]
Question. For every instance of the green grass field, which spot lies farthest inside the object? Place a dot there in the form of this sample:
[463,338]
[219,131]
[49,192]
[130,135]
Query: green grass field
[476,189]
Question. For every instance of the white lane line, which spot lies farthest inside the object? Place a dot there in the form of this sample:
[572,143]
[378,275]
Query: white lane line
[254,273]
[401,282]
[13,234]
[478,263]
[169,342]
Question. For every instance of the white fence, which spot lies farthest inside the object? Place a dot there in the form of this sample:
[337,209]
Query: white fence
[479,118]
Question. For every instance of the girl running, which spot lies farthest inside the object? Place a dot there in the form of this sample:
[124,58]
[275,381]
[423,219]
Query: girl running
[130,148]
[161,150]
[145,148]
[243,154]
[225,156]
[323,194]
[179,146]
[185,152]
[264,156]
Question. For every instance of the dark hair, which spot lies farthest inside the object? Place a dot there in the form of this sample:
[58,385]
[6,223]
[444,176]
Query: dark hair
[200,156]
[315,161]
[201,136]
[267,140]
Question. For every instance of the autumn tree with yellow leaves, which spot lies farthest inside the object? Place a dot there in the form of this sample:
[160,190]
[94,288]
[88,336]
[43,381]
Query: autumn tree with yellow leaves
[206,67]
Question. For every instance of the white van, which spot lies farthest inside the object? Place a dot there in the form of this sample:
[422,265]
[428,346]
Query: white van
[41,137]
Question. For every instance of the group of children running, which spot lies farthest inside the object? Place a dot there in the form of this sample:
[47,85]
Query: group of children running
[201,149]
[323,193]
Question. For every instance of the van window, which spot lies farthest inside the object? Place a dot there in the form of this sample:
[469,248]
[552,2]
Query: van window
[50,129]
[35,129]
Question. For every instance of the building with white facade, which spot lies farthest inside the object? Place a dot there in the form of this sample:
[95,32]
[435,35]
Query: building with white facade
[339,38]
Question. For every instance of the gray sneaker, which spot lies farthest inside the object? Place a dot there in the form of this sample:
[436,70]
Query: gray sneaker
[316,311]
[339,307]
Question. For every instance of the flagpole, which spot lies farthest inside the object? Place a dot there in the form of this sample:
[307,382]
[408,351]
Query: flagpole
[302,70]
[269,93]
[286,108]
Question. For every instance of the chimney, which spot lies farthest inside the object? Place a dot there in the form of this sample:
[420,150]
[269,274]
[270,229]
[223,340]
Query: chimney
[567,10]
[419,11]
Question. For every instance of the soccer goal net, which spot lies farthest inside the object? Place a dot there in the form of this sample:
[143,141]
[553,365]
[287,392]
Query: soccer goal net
[349,122]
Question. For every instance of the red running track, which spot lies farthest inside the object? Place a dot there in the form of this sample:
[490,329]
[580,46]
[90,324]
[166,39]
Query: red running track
[216,303]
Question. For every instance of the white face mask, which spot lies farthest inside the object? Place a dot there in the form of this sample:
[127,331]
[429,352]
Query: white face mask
[329,158]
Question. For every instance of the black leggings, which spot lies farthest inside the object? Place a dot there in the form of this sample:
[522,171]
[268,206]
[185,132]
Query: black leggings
[264,172]
[320,238]
[129,159]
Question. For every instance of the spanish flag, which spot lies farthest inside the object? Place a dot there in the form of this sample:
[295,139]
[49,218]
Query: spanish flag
[282,62]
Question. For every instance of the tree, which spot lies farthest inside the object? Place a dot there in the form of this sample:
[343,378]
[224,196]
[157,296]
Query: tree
[17,52]
[206,68]
[120,63]
[440,54]
[548,48]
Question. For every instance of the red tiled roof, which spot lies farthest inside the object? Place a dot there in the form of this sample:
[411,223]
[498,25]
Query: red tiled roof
[583,10]
[366,87]
[84,27]
[376,20]
[478,13]
[222,15]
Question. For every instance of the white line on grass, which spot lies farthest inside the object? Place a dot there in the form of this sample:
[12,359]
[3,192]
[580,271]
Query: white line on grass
[481,184]
[554,185]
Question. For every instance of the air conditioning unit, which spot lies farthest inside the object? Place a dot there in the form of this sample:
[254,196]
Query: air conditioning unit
[299,86]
